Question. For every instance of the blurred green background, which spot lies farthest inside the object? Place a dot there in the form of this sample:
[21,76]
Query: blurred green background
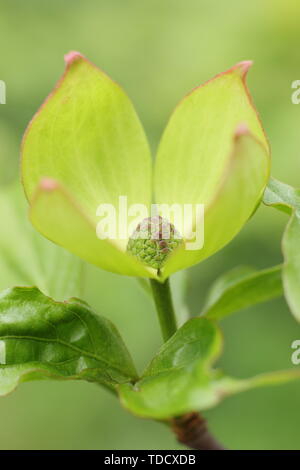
[158,50]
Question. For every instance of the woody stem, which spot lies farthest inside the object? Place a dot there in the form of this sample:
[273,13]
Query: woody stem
[191,430]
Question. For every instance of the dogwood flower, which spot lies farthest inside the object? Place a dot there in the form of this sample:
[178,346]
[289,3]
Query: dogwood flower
[86,147]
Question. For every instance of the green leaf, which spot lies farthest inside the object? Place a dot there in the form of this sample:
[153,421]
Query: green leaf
[197,340]
[88,139]
[213,152]
[27,259]
[180,378]
[177,375]
[291,267]
[282,196]
[287,199]
[41,338]
[241,288]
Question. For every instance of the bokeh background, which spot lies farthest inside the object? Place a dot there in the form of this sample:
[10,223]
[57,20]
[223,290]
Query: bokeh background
[159,50]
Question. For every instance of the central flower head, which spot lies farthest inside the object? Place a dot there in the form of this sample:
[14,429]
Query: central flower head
[153,241]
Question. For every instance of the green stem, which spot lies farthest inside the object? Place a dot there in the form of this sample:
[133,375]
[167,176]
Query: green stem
[164,306]
[190,429]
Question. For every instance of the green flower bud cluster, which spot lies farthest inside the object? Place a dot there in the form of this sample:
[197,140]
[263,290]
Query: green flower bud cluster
[153,241]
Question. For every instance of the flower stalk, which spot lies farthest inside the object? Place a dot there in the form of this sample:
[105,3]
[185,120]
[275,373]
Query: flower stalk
[164,307]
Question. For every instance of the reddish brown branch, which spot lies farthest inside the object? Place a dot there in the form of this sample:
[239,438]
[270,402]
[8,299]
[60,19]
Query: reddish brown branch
[191,430]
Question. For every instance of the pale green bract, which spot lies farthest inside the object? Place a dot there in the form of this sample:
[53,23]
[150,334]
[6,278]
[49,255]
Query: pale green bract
[86,147]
